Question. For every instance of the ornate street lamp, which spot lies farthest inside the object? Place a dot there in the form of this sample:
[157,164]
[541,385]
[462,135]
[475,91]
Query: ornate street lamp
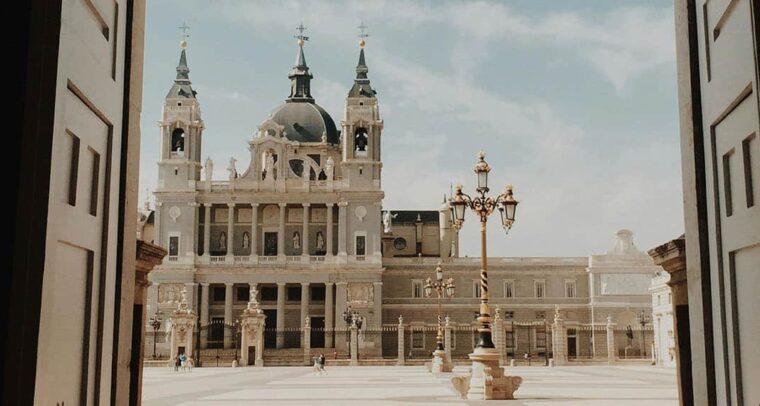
[483,206]
[443,288]
[348,317]
[155,322]
[643,320]
[236,341]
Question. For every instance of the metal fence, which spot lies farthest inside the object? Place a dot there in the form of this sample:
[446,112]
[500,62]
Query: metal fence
[529,341]
[635,343]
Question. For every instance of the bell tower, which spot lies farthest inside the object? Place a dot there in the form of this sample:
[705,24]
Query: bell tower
[362,128]
[181,128]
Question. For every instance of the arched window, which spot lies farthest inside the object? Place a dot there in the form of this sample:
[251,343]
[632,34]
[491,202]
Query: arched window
[178,140]
[360,141]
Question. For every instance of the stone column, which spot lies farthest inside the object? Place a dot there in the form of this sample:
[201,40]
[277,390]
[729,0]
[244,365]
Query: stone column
[447,330]
[192,250]
[378,303]
[254,232]
[304,303]
[611,349]
[329,313]
[354,346]
[230,231]
[281,232]
[340,307]
[204,314]
[280,313]
[228,315]
[207,230]
[192,294]
[342,229]
[329,234]
[378,322]
[305,233]
[307,341]
[559,340]
[400,355]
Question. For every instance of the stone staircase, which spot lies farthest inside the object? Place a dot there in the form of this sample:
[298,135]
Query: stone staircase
[283,357]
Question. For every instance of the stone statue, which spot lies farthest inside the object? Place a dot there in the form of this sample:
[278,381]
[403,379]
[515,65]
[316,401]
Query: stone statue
[629,334]
[208,169]
[557,317]
[232,169]
[324,137]
[253,300]
[223,241]
[296,240]
[269,166]
[320,241]
[246,240]
[329,165]
[387,219]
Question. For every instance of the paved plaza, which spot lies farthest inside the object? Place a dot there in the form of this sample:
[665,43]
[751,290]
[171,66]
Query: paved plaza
[412,385]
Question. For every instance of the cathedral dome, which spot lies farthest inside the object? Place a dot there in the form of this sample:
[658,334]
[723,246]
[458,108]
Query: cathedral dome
[305,122]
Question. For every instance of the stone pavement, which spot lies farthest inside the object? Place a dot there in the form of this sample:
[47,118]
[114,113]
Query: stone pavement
[412,385]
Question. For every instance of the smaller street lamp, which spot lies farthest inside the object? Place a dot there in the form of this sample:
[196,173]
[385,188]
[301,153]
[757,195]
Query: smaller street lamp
[348,317]
[643,320]
[443,288]
[155,322]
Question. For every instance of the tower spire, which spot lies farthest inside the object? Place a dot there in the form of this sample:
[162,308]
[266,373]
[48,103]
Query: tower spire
[300,77]
[182,86]
[361,83]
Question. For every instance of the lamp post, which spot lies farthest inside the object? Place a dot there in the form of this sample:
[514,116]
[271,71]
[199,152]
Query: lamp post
[348,317]
[443,288]
[643,320]
[155,322]
[485,355]
[235,341]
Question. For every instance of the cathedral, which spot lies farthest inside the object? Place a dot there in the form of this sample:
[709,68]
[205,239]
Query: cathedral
[303,223]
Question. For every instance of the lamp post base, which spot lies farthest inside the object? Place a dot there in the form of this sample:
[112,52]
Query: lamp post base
[439,363]
[487,379]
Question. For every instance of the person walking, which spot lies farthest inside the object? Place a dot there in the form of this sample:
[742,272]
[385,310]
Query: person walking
[316,368]
[321,362]
[183,361]
[177,362]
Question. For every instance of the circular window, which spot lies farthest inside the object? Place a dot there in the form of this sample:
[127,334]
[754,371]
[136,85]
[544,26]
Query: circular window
[399,244]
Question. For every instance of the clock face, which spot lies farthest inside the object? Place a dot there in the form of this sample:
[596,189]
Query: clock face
[399,244]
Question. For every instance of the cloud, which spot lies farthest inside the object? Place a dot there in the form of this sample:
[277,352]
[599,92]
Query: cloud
[221,94]
[621,44]
[575,188]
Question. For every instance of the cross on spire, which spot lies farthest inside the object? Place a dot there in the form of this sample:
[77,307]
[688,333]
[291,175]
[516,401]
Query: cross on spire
[184,27]
[300,35]
[362,28]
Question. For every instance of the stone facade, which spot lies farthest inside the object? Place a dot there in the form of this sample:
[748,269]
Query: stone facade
[303,222]
[662,320]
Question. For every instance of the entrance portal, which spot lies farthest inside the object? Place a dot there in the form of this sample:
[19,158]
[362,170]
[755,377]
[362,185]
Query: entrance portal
[270,244]
[251,355]
[317,332]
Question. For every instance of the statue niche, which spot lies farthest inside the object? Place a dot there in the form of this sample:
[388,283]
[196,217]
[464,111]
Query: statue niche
[178,140]
[360,141]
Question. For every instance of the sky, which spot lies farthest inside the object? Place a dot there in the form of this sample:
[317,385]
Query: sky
[574,103]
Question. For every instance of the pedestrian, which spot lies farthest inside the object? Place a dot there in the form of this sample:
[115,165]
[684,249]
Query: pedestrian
[316,364]
[183,361]
[177,363]
[322,364]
